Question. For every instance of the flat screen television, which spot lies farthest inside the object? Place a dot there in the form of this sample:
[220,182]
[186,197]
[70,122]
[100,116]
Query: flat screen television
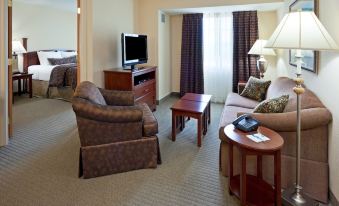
[134,50]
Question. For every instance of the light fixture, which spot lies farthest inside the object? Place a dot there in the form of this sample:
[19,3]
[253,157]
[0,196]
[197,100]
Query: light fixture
[259,49]
[17,48]
[300,30]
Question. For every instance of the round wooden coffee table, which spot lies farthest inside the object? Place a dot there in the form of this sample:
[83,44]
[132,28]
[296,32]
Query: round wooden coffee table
[253,190]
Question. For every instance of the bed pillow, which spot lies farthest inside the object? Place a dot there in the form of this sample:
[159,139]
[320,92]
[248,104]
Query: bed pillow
[68,53]
[44,55]
[65,60]
[275,105]
[256,89]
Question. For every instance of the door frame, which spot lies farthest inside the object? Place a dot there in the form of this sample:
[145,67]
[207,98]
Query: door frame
[3,72]
[84,46]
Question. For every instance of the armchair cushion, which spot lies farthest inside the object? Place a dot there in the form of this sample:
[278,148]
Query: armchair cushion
[89,91]
[118,98]
[150,123]
[115,114]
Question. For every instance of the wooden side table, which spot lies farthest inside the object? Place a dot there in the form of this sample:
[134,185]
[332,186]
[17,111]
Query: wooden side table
[201,98]
[253,190]
[25,77]
[186,108]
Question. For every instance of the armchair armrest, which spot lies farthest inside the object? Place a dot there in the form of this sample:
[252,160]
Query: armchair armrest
[114,114]
[287,121]
[118,98]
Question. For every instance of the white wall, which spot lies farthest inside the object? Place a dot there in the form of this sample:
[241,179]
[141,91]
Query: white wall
[164,65]
[267,22]
[110,19]
[45,27]
[325,83]
[176,39]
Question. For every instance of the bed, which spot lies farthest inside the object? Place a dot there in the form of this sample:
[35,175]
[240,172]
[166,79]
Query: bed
[52,81]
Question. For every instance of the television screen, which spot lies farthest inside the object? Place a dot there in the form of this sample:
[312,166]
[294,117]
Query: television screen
[134,49]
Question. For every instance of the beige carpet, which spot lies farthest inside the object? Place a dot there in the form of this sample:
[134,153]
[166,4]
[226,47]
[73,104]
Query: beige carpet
[40,165]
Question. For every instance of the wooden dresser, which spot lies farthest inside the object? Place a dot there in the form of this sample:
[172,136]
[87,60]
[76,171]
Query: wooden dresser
[142,82]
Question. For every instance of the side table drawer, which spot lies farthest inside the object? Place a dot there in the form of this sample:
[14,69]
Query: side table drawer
[144,89]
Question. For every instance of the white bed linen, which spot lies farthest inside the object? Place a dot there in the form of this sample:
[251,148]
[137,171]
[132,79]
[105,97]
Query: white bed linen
[41,72]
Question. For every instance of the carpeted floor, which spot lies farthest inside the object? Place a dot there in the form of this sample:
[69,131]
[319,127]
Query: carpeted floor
[40,165]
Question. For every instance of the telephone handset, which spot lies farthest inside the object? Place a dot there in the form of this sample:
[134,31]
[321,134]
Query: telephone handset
[246,123]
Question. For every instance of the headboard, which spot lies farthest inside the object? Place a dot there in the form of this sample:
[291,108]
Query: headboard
[31,58]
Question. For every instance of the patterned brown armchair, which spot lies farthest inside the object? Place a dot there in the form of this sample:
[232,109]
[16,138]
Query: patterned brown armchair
[115,135]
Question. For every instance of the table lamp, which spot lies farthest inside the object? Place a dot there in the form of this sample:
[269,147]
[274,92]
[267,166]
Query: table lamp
[300,30]
[258,48]
[17,48]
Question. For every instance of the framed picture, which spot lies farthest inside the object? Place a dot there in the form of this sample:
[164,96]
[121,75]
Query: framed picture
[311,58]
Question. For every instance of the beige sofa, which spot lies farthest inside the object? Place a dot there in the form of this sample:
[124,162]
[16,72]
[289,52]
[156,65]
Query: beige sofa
[314,140]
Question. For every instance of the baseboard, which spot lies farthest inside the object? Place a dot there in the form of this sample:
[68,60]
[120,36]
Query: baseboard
[333,199]
[173,94]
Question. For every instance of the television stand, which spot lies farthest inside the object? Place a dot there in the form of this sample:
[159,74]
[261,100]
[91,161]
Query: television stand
[141,81]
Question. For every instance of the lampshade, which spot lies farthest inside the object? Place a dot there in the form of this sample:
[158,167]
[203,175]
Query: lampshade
[17,47]
[301,30]
[259,48]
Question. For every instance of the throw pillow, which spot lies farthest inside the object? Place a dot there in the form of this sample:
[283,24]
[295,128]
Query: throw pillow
[65,60]
[275,105]
[45,55]
[256,89]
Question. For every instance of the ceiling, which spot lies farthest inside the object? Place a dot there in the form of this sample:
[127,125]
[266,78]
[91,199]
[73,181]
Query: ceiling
[258,7]
[68,5]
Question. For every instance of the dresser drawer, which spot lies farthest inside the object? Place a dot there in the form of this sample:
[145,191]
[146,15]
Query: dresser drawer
[149,99]
[143,89]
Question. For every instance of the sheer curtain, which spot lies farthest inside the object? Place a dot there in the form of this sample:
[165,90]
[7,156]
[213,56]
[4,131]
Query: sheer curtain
[218,55]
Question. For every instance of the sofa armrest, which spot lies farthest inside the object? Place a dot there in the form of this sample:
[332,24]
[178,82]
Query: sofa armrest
[118,98]
[115,114]
[287,121]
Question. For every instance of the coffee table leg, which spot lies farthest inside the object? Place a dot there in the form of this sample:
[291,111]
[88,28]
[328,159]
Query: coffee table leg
[199,130]
[19,87]
[277,177]
[174,125]
[30,87]
[243,179]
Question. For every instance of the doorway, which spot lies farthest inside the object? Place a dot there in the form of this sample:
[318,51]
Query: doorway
[24,44]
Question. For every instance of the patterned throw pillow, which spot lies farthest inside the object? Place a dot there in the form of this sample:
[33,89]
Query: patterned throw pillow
[256,89]
[276,105]
[65,60]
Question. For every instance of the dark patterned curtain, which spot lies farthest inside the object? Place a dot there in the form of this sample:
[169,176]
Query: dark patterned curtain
[191,78]
[245,33]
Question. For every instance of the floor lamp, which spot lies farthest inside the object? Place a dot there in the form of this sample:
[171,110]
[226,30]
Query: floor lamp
[258,48]
[300,30]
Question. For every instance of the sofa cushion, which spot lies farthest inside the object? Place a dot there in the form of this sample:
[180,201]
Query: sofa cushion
[150,123]
[284,86]
[275,105]
[234,99]
[89,91]
[256,89]
[229,114]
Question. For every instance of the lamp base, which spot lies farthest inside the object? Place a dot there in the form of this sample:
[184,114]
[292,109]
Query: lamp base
[289,199]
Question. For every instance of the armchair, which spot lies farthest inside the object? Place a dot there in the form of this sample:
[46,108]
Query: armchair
[115,135]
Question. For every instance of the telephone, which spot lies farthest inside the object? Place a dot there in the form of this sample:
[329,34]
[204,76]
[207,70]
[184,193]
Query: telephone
[246,123]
